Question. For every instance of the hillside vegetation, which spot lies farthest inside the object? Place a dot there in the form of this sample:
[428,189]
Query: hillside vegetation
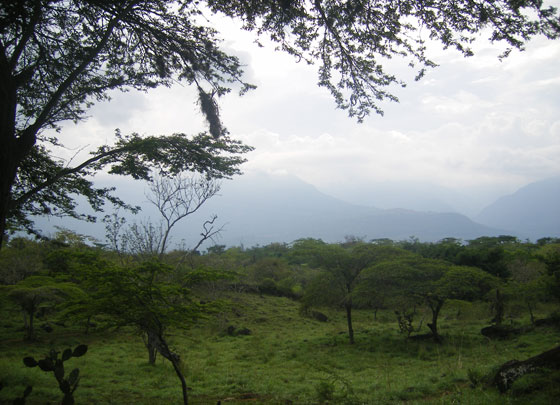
[253,329]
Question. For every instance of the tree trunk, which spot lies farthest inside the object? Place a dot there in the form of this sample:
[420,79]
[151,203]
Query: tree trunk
[514,369]
[177,366]
[435,305]
[499,308]
[8,159]
[152,349]
[349,320]
[7,177]
[87,324]
[30,332]
[530,307]
[161,345]
[152,355]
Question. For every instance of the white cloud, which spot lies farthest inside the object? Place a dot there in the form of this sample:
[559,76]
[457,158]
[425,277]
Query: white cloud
[474,121]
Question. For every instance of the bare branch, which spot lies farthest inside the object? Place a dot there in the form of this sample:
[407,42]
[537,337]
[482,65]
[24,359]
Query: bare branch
[178,197]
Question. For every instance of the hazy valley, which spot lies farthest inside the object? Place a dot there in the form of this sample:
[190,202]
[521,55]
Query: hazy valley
[262,208]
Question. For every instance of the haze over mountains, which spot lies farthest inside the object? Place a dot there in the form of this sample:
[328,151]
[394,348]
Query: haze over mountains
[533,211]
[261,208]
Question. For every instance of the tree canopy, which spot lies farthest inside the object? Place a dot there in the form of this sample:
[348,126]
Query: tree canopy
[58,57]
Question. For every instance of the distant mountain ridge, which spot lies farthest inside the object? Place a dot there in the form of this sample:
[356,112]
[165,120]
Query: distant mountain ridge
[412,195]
[265,208]
[261,208]
[531,212]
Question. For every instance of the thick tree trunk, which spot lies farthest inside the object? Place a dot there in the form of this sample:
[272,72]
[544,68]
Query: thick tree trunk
[12,148]
[349,320]
[13,151]
[514,369]
[8,169]
[7,125]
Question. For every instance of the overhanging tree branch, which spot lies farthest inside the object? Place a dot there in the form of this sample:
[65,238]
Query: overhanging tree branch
[28,136]
[63,173]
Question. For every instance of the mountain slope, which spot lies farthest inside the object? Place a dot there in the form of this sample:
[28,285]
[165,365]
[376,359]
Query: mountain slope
[533,211]
[411,195]
[263,209]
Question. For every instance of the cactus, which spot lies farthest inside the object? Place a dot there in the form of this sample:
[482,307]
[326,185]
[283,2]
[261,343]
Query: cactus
[20,400]
[55,364]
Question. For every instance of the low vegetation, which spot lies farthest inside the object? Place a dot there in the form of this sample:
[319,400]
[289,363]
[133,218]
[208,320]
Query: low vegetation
[247,325]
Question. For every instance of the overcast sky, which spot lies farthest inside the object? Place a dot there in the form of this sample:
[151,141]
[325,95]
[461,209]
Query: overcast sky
[469,124]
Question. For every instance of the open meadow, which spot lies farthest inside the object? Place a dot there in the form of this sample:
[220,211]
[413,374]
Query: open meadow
[286,359]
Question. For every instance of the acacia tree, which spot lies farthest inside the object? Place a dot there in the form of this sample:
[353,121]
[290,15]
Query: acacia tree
[57,57]
[342,274]
[528,283]
[36,292]
[148,298]
[413,279]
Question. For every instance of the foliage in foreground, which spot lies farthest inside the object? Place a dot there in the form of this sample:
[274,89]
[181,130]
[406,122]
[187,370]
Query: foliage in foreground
[55,364]
[289,357]
[295,357]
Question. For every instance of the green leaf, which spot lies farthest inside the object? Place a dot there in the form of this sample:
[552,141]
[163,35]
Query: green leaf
[29,362]
[27,391]
[80,350]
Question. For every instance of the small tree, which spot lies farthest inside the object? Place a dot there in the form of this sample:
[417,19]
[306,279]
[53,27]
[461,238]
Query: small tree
[37,292]
[413,279]
[407,281]
[20,259]
[463,283]
[147,297]
[341,275]
[528,282]
[549,254]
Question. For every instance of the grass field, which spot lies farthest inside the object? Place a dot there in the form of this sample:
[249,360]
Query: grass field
[287,359]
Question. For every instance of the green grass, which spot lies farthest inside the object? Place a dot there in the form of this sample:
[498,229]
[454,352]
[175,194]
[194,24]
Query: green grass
[286,359]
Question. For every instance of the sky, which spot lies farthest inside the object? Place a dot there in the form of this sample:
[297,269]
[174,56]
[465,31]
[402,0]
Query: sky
[475,125]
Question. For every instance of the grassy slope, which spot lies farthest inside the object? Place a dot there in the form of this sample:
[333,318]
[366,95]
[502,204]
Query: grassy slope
[286,358]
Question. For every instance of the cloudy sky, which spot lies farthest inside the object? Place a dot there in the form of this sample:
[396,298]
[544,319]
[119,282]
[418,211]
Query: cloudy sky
[474,125]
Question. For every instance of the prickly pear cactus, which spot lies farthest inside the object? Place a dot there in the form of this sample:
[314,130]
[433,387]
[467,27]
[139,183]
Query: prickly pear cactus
[55,364]
[21,400]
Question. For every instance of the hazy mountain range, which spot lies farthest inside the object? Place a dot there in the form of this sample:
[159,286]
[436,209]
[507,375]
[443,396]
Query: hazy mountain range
[533,211]
[261,208]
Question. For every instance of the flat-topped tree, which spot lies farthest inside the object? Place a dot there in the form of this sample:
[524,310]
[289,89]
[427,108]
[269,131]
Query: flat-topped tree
[40,292]
[58,57]
[341,275]
[411,280]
